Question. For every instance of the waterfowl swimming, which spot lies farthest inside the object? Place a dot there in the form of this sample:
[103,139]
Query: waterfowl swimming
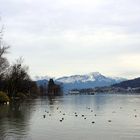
[109,121]
[44,116]
[93,122]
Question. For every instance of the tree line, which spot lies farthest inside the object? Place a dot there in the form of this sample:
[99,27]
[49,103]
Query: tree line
[15,81]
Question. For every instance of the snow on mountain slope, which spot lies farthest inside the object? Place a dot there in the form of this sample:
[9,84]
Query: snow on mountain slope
[94,76]
[75,78]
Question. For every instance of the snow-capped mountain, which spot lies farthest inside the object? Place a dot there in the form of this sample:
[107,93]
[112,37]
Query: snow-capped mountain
[91,80]
[91,77]
[79,78]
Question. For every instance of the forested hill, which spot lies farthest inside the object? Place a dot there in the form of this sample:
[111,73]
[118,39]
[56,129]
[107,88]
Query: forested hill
[134,83]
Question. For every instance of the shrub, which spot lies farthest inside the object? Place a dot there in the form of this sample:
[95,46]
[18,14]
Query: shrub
[3,97]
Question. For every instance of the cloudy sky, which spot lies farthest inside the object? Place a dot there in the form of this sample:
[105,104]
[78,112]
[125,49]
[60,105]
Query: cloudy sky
[64,37]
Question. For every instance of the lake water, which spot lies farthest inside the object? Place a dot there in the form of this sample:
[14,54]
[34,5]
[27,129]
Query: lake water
[115,117]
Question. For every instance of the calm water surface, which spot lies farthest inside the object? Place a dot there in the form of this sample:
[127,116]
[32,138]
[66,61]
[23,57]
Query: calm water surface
[116,117]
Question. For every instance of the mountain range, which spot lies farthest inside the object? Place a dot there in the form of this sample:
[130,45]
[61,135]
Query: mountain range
[91,80]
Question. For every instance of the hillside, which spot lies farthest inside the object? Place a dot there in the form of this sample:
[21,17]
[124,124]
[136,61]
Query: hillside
[134,83]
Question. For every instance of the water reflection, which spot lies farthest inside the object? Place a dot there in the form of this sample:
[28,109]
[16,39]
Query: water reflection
[115,118]
[53,100]
[15,120]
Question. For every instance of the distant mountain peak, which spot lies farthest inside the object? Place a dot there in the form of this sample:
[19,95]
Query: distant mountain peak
[95,73]
[90,77]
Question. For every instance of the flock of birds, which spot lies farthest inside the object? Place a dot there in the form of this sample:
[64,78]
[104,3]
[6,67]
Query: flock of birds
[77,115]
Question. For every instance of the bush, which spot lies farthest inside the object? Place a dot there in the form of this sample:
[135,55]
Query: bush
[3,97]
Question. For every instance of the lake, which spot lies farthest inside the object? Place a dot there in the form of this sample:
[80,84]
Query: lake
[85,117]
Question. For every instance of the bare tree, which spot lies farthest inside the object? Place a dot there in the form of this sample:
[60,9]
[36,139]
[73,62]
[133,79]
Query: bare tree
[3,50]
[17,78]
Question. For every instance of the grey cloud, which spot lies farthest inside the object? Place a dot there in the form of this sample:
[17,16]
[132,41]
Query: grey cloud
[83,30]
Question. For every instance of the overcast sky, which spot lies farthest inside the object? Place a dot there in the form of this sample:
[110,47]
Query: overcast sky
[64,37]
